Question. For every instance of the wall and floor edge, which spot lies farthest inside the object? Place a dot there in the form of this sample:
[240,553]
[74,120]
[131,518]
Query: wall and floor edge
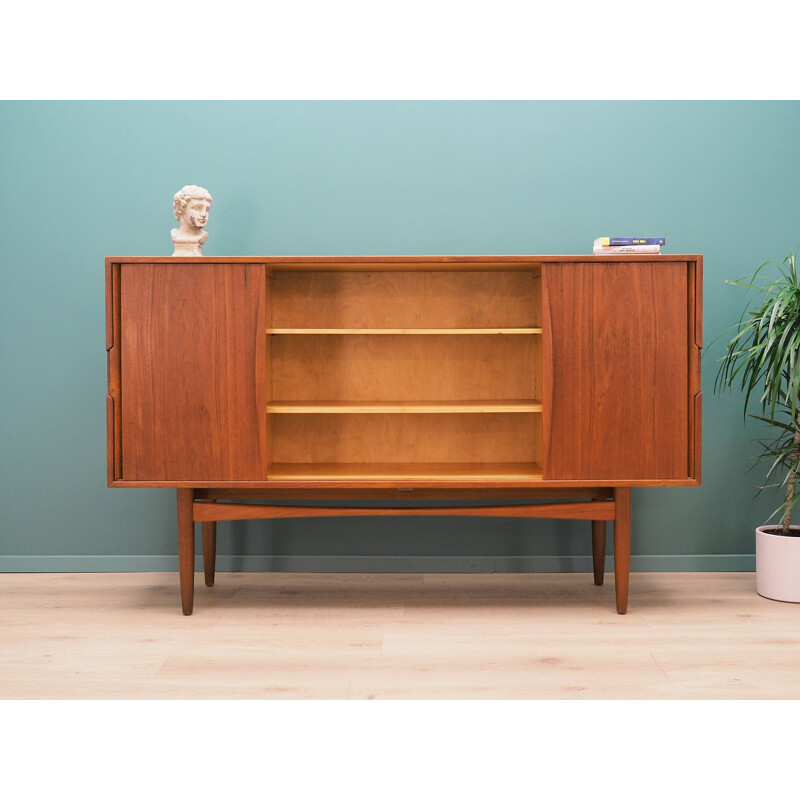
[388,564]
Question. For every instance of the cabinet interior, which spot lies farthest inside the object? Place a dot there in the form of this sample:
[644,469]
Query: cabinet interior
[417,373]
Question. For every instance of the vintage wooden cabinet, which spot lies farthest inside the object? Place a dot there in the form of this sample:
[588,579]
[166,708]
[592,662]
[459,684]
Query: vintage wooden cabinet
[563,381]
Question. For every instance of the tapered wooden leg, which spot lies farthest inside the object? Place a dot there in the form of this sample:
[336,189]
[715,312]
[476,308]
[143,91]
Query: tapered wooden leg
[186,548]
[622,546]
[209,551]
[599,550]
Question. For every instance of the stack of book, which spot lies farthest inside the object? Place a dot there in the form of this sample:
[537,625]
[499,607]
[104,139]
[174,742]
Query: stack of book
[613,245]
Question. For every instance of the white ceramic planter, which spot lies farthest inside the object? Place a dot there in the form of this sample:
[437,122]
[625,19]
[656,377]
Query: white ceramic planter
[778,565]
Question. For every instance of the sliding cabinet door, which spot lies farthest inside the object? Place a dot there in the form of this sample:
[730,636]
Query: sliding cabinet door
[193,360]
[621,371]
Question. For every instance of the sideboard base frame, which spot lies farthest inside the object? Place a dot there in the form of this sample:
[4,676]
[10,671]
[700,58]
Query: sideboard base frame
[598,506]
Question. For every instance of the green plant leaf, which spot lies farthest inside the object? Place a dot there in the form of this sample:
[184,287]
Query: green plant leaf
[762,361]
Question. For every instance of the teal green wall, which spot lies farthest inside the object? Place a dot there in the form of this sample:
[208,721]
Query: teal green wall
[82,180]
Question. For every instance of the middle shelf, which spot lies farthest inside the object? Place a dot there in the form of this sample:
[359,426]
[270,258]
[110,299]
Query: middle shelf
[407,407]
[404,331]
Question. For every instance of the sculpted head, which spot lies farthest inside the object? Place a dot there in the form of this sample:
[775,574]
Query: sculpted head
[191,206]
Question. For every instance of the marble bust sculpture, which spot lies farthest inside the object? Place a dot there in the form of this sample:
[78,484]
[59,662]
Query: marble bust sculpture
[191,206]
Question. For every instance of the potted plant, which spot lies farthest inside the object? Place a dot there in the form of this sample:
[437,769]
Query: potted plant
[763,360]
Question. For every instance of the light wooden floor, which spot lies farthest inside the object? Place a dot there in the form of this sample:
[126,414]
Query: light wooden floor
[533,636]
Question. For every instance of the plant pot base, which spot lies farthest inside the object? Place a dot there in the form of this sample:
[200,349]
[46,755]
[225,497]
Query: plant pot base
[778,564]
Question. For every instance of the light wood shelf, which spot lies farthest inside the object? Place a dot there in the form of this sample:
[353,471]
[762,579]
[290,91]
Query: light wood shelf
[408,407]
[405,331]
[416,471]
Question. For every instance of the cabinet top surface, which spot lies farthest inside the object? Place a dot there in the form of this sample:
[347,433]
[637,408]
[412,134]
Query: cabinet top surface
[394,261]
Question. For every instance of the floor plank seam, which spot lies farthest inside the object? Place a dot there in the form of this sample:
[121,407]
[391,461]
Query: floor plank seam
[660,666]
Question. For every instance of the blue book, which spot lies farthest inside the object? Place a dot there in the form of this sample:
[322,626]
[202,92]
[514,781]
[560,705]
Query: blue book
[628,241]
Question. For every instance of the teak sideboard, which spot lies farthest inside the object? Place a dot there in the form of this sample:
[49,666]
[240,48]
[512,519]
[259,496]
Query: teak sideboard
[555,382]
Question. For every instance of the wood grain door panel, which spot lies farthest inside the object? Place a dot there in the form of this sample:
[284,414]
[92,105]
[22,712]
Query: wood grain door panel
[616,342]
[193,362]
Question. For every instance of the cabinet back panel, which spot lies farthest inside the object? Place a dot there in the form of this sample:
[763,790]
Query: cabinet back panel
[405,438]
[360,367]
[435,299]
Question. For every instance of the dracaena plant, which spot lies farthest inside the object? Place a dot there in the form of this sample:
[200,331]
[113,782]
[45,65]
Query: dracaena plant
[763,361]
